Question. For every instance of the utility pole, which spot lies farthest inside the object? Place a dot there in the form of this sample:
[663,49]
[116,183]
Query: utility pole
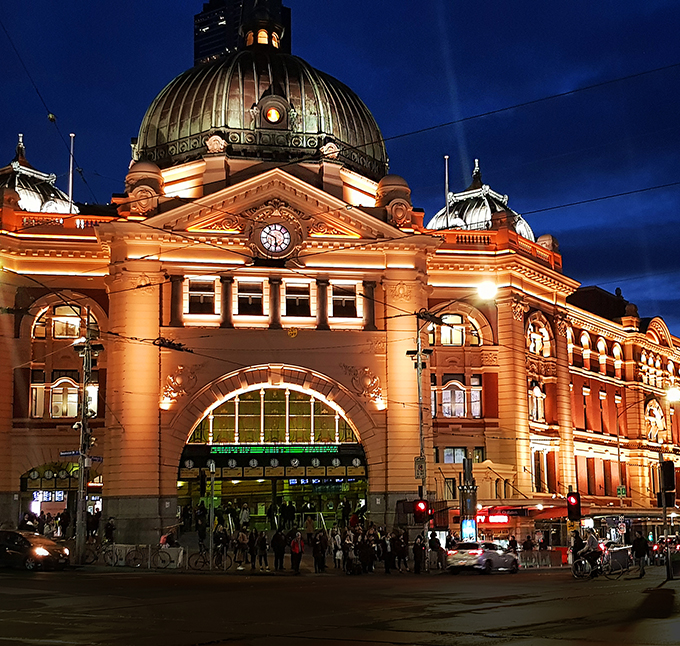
[86,350]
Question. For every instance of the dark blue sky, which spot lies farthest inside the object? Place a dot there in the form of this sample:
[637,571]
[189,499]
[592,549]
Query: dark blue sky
[99,65]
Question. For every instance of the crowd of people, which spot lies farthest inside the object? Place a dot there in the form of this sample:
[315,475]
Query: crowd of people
[352,549]
[62,526]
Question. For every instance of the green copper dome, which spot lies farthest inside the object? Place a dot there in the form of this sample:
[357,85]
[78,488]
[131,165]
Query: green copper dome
[259,103]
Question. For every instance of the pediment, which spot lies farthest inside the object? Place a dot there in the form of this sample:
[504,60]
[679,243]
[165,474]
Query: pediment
[235,210]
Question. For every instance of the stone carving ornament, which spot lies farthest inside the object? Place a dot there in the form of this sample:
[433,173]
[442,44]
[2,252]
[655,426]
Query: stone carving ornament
[401,292]
[364,382]
[519,307]
[216,144]
[180,382]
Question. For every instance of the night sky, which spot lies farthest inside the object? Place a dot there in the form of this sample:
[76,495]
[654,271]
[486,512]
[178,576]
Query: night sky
[416,64]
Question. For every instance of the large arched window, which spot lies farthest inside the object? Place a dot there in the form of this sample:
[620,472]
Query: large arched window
[538,339]
[274,415]
[602,355]
[459,330]
[64,321]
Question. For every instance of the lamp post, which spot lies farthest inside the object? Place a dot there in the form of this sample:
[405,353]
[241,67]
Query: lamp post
[87,350]
[486,291]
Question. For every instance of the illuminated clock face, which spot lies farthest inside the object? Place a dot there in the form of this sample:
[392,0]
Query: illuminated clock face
[275,238]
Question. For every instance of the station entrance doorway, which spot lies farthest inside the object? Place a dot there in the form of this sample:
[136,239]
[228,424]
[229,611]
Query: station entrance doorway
[268,446]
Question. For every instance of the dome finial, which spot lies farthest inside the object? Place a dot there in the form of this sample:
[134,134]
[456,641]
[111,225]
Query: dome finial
[262,23]
[476,178]
[20,155]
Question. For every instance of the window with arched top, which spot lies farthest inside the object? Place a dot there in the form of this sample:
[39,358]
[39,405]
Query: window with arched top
[458,330]
[262,37]
[275,40]
[538,339]
[64,321]
[250,38]
[602,355]
[64,398]
[584,340]
[671,373]
[570,345]
[618,361]
[536,403]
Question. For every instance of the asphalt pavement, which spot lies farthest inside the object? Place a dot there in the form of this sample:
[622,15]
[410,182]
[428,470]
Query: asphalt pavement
[124,607]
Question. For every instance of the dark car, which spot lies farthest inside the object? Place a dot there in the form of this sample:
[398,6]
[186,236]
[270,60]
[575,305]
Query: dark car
[31,551]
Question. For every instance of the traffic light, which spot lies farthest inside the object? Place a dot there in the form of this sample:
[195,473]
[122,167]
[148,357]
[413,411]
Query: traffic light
[420,512]
[667,476]
[574,506]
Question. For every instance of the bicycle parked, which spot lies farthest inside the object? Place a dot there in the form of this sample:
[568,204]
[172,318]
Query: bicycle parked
[105,551]
[608,564]
[201,560]
[155,556]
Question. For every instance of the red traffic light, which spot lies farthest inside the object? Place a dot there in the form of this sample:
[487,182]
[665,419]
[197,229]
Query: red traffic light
[574,505]
[420,512]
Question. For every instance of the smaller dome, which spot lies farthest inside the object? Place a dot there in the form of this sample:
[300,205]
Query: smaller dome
[36,190]
[144,167]
[474,208]
[392,180]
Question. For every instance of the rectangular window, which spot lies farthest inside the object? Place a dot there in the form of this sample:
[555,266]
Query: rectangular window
[37,400]
[66,322]
[344,301]
[297,299]
[450,491]
[201,296]
[454,455]
[453,402]
[433,402]
[478,454]
[250,299]
[64,400]
[476,396]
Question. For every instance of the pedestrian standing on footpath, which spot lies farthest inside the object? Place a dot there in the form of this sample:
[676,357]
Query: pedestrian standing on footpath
[279,548]
[418,553]
[297,548]
[262,547]
[640,549]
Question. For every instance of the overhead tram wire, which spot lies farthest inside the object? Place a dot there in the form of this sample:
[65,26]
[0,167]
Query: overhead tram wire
[50,115]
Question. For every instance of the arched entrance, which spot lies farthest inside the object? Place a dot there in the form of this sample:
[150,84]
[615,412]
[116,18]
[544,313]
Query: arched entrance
[270,444]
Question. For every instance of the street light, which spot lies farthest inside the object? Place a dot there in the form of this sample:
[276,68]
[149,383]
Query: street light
[87,350]
[486,291]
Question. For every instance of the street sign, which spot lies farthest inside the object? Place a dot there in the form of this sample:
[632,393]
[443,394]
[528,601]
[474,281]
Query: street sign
[419,463]
[621,492]
[96,458]
[68,454]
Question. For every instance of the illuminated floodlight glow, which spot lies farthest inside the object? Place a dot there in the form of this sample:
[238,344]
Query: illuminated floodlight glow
[673,394]
[487,290]
[539,506]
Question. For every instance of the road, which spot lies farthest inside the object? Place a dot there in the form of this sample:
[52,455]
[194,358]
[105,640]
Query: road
[93,607]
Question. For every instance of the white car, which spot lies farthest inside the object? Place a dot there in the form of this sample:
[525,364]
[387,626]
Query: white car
[483,557]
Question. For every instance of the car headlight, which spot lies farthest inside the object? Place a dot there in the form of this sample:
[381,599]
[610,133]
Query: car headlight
[41,551]
[66,551]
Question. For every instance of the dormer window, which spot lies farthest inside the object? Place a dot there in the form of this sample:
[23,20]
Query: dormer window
[262,37]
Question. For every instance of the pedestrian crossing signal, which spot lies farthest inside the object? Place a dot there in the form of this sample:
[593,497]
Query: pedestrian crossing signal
[420,512]
[573,506]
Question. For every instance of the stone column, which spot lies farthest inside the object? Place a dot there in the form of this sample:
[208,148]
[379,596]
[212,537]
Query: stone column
[227,302]
[369,305]
[322,304]
[132,465]
[274,303]
[403,293]
[567,461]
[514,448]
[176,319]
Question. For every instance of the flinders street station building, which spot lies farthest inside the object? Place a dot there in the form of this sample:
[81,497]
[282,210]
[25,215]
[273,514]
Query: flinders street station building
[254,300]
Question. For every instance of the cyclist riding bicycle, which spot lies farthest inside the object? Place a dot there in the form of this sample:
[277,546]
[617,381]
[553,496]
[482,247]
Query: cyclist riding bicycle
[591,551]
